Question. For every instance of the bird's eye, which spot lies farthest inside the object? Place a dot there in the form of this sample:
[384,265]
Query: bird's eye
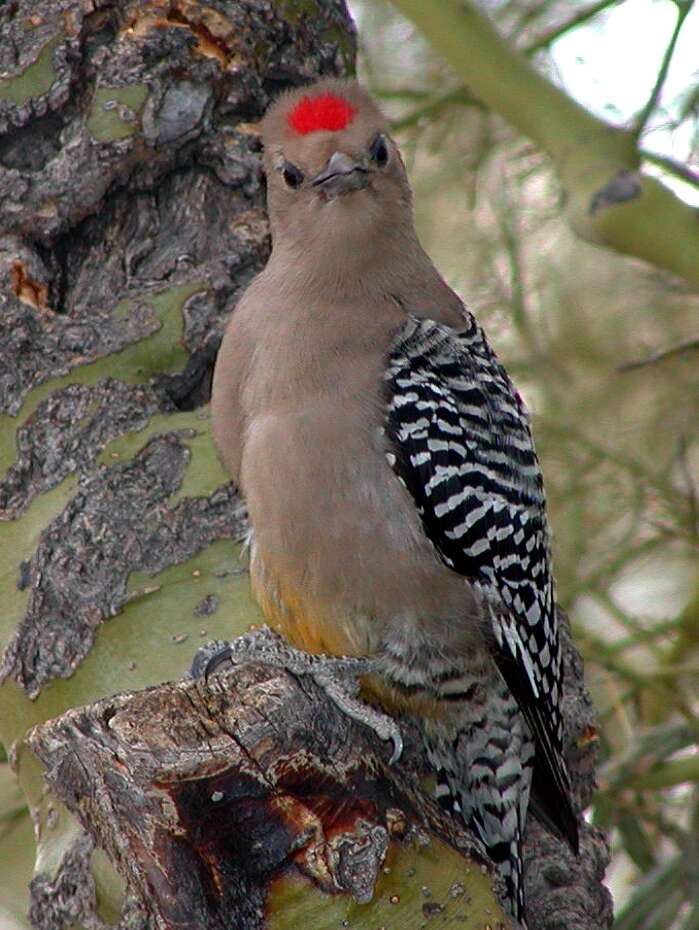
[291,174]
[378,150]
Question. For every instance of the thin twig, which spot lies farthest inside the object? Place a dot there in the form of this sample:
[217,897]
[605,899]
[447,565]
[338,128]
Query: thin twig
[641,633]
[401,93]
[660,356]
[618,705]
[550,36]
[455,95]
[664,631]
[689,480]
[634,467]
[672,166]
[610,568]
[517,290]
[645,114]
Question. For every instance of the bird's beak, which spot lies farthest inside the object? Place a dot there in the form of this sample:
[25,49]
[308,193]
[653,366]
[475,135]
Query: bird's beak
[341,175]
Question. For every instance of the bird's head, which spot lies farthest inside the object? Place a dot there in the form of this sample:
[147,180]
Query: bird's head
[335,178]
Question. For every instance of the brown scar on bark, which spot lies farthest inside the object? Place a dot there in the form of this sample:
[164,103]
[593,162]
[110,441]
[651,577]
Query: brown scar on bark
[589,735]
[27,290]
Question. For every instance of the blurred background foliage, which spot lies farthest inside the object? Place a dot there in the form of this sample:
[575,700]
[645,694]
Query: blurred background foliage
[606,351]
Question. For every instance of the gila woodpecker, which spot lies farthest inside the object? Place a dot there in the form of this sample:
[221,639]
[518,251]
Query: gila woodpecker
[395,498]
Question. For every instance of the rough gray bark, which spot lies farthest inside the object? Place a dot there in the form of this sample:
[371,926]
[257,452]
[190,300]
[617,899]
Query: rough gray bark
[131,216]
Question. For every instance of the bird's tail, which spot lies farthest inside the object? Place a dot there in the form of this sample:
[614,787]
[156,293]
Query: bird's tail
[484,777]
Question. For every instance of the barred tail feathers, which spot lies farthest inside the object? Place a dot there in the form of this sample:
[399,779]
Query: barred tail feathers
[484,776]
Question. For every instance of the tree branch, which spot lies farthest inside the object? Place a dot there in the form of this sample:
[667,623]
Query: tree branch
[672,166]
[608,201]
[253,794]
[457,95]
[661,355]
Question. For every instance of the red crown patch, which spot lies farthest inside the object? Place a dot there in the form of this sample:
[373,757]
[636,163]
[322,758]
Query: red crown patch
[326,111]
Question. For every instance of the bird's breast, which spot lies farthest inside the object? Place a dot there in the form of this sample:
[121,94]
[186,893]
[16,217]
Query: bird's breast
[340,558]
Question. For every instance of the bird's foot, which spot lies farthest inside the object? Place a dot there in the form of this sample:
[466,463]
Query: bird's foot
[338,676]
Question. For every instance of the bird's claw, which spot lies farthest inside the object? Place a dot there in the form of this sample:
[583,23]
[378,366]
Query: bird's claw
[336,675]
[209,658]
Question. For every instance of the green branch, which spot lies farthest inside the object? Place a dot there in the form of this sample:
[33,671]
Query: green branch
[672,166]
[608,201]
[674,772]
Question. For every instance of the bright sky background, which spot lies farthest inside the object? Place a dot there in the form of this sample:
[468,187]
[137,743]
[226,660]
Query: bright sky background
[610,66]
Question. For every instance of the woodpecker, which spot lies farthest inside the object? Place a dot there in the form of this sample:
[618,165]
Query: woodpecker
[395,498]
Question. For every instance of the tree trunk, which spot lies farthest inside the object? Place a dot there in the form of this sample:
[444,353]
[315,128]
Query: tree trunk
[131,210]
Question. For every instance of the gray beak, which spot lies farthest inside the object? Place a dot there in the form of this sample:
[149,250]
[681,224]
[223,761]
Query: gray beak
[341,175]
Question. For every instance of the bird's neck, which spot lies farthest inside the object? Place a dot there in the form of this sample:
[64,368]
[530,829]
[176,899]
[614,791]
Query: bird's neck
[394,266]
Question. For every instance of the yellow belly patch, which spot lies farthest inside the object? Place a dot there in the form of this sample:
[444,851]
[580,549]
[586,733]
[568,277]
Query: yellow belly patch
[305,625]
[308,627]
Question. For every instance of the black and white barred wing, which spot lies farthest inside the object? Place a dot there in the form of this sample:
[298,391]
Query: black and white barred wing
[460,442]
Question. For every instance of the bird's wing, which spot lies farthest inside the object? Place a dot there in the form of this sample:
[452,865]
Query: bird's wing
[459,439]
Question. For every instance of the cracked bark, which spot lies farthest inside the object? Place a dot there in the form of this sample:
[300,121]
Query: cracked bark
[233,790]
[131,218]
